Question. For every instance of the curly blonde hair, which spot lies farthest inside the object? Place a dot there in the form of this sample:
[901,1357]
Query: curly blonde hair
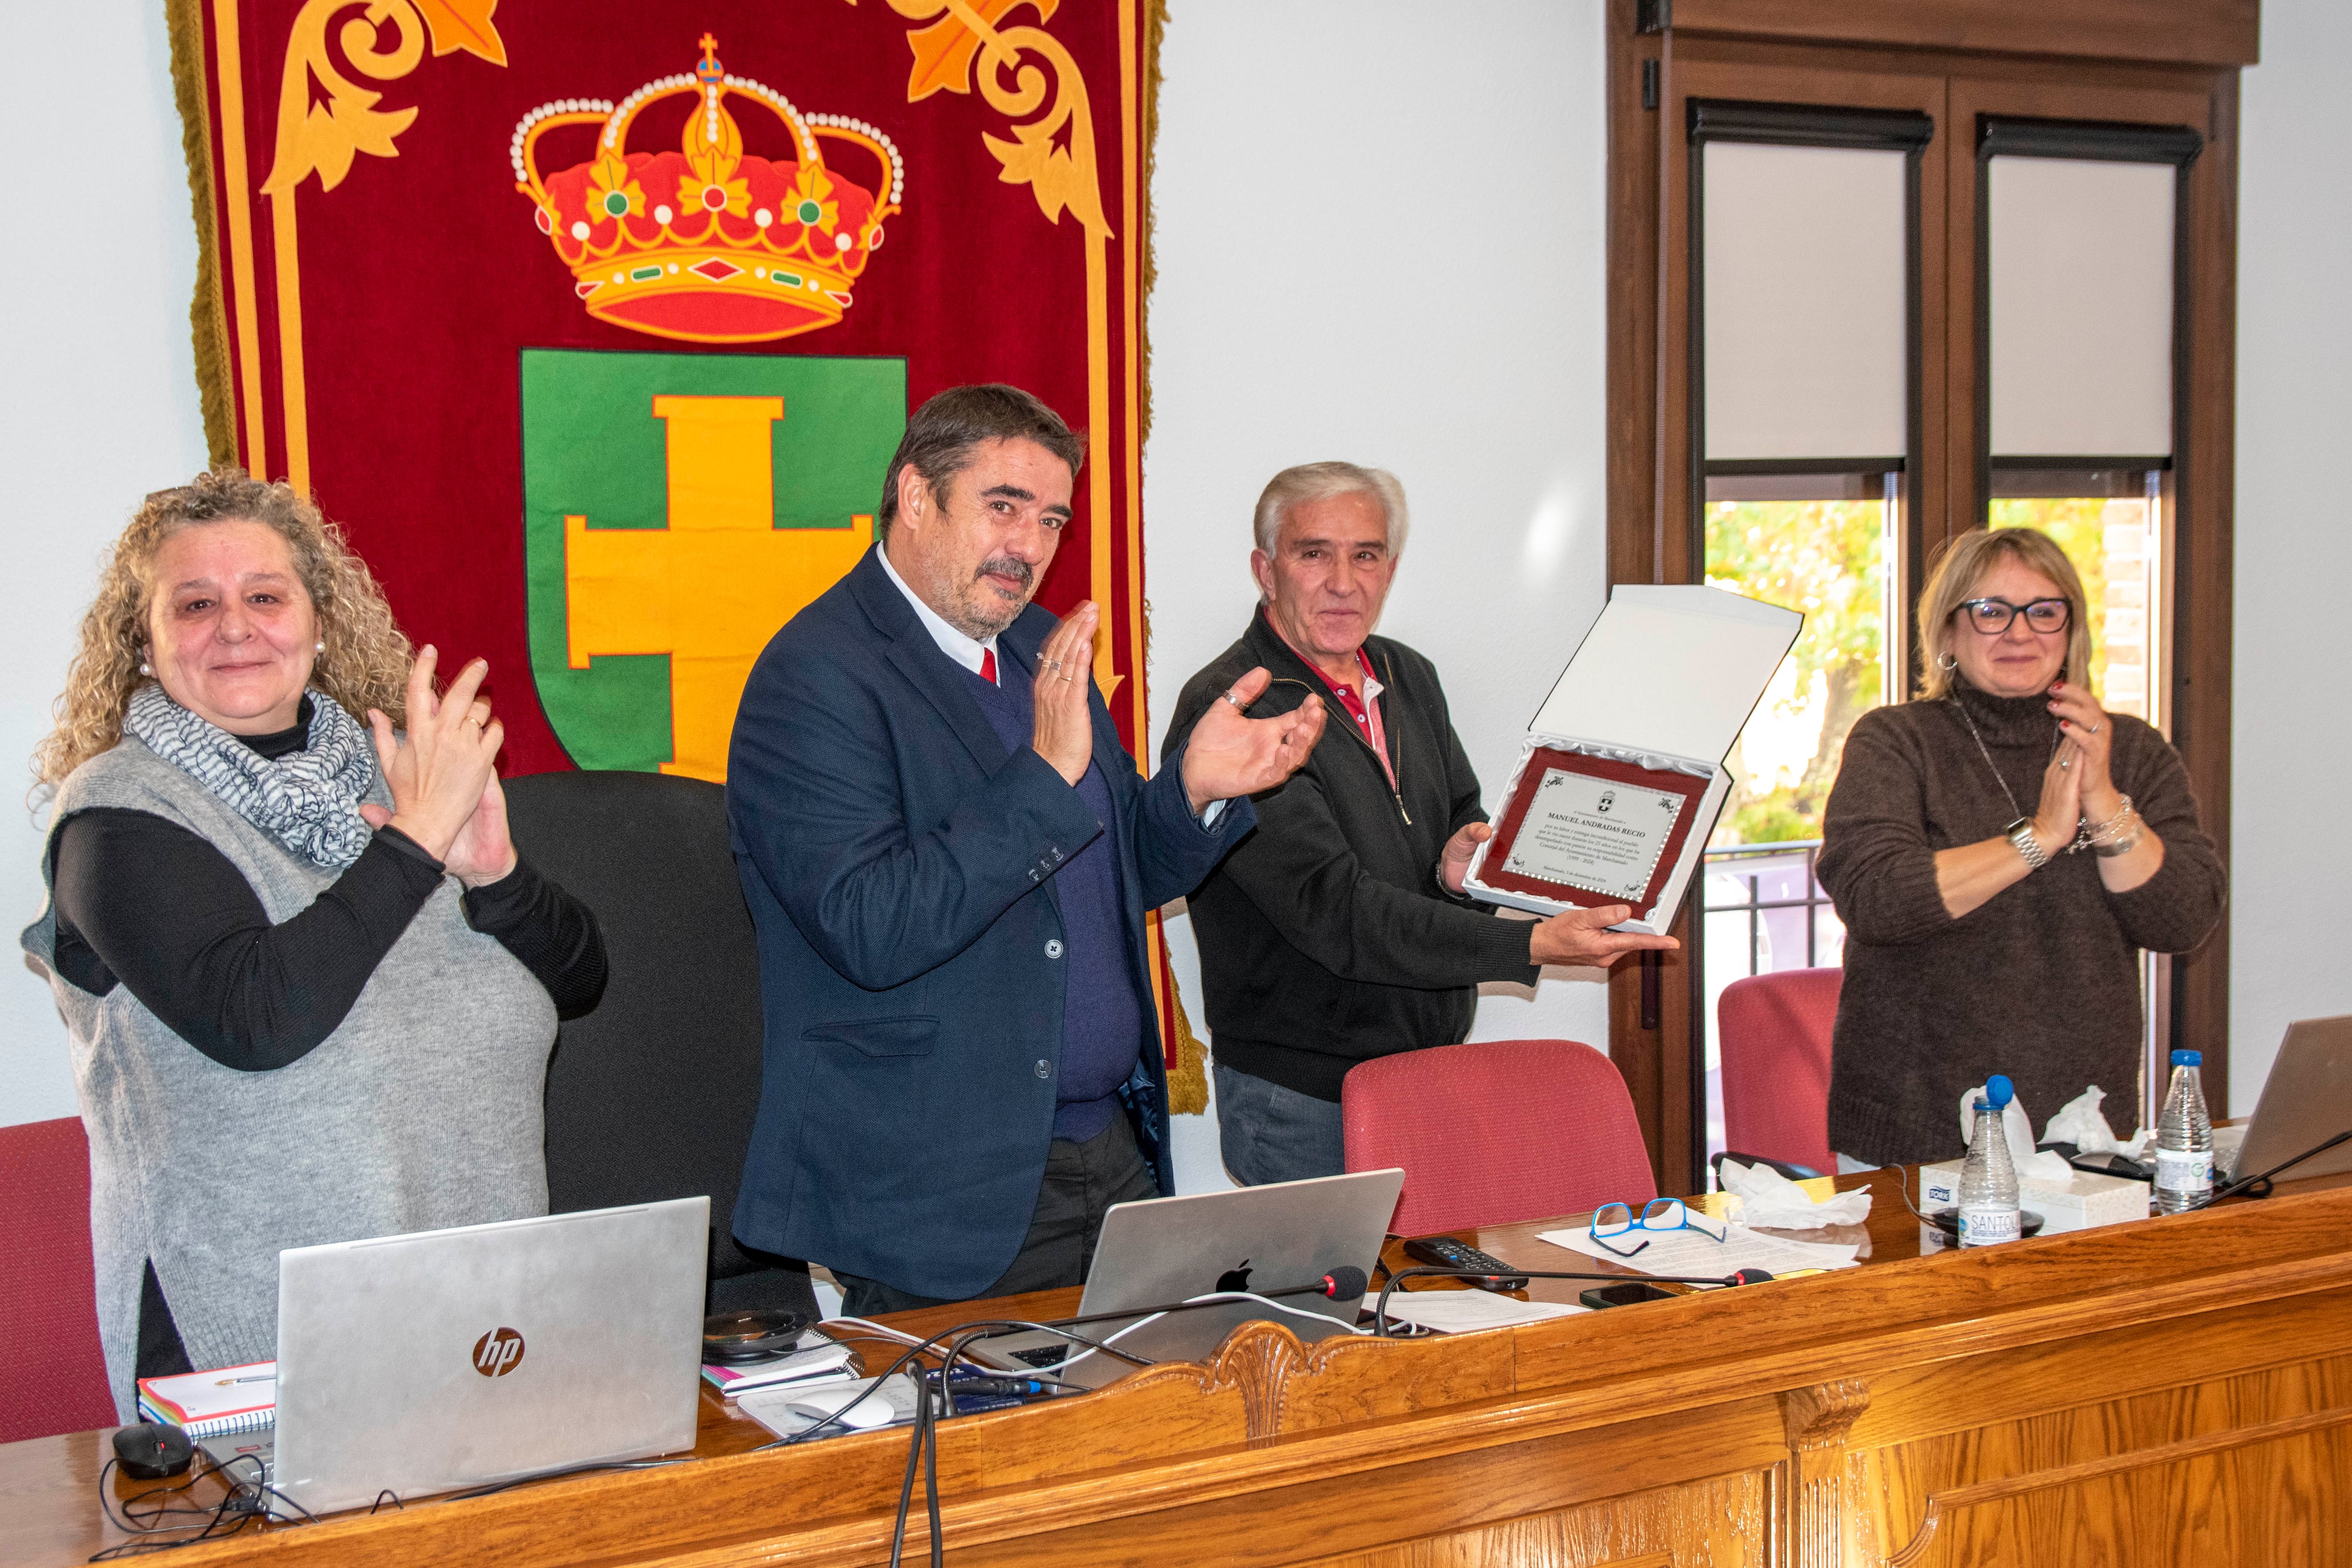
[366,660]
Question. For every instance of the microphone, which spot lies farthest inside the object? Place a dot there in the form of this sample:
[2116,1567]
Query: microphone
[1397,1279]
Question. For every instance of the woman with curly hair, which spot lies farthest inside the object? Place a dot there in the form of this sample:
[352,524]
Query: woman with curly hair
[309,985]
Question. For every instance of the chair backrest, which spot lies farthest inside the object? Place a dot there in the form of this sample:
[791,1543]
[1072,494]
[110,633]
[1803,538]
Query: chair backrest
[52,1371]
[1775,1034]
[652,1095]
[1496,1131]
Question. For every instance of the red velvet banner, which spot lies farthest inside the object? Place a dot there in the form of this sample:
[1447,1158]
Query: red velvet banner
[972,191]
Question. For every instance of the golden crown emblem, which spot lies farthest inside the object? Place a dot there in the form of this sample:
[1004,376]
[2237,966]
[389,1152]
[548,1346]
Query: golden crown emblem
[709,243]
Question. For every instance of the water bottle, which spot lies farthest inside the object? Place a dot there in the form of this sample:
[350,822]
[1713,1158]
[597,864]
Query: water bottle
[1988,1179]
[2184,1138]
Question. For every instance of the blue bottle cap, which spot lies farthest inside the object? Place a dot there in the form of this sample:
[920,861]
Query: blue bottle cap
[2000,1090]
[2187,1058]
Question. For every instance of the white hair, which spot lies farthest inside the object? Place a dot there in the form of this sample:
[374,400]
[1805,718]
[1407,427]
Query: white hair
[1322,481]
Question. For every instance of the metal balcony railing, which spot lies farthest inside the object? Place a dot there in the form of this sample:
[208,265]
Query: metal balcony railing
[1773,876]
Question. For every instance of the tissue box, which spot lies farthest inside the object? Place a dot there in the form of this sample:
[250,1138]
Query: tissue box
[2078,1204]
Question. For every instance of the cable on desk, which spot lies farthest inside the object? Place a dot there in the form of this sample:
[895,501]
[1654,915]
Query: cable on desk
[244,1502]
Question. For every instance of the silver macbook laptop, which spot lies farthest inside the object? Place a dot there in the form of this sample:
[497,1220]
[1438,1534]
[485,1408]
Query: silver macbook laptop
[1164,1250]
[2306,1099]
[459,1358]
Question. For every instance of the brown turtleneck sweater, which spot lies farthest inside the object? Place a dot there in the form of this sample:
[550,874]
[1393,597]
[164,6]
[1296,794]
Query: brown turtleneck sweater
[2041,982]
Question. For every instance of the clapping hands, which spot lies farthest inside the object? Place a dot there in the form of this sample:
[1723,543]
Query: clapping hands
[443,774]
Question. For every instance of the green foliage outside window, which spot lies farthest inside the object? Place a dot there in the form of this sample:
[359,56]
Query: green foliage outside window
[1827,561]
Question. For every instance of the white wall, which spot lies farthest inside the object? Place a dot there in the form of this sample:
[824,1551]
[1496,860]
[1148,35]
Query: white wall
[98,407]
[1381,237]
[2291,859]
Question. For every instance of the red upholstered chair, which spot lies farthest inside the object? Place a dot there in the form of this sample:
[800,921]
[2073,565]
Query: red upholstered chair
[1497,1132]
[52,1373]
[1775,1032]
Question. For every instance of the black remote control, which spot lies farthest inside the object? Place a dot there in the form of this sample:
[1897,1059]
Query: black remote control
[1445,1252]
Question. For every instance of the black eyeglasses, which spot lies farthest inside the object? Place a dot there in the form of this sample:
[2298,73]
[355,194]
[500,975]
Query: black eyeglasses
[1992,616]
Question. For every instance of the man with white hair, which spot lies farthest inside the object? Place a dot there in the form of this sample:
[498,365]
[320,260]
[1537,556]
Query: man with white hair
[1338,930]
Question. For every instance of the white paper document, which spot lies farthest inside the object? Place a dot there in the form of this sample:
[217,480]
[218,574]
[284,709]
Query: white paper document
[1595,834]
[1689,1252]
[1466,1312]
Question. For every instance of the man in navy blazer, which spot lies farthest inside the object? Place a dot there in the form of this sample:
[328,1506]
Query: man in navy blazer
[948,856]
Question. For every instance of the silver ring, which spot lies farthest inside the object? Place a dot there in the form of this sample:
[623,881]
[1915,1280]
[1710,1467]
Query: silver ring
[1066,677]
[2093,729]
[1234,700]
[1053,664]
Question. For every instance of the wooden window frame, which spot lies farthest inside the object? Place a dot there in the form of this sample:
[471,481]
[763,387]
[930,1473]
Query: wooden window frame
[2141,63]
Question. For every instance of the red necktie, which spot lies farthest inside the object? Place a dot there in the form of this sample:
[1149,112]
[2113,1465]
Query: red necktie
[988,665]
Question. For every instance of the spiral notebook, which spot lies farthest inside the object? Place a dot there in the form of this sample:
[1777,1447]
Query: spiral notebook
[214,1403]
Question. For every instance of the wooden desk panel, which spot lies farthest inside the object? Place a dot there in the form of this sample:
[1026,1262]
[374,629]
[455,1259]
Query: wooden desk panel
[2173,1391]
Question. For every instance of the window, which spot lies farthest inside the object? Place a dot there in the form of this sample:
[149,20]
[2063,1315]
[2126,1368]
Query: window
[1871,293]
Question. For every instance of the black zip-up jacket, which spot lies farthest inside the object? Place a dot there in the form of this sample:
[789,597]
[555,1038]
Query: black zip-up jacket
[1325,938]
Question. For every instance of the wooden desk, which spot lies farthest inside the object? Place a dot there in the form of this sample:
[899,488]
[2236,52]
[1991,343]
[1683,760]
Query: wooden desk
[2176,1391]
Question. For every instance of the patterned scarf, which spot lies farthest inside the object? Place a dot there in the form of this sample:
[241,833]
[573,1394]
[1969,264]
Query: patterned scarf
[309,800]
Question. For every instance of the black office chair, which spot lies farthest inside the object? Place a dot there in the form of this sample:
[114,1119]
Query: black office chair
[652,1095]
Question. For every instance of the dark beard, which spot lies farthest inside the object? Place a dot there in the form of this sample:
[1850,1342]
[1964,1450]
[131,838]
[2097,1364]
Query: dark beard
[990,611]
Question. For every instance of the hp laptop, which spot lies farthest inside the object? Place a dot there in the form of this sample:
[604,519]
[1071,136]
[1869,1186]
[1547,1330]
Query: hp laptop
[1164,1250]
[461,1358]
[2306,1099]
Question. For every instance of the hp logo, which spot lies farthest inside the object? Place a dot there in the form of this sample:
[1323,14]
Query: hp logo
[498,1353]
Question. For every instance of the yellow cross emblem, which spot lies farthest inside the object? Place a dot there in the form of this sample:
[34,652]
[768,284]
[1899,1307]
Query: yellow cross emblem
[711,589]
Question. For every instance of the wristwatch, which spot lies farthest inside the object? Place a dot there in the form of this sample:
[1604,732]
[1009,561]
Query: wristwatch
[2020,835]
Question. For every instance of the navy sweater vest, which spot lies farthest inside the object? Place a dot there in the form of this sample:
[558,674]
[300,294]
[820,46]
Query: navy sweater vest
[1102,1021]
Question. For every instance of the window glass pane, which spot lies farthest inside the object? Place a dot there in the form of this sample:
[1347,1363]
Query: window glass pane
[1823,544]
[1829,560]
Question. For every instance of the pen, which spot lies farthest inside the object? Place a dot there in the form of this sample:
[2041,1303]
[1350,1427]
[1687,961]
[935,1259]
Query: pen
[264,1377]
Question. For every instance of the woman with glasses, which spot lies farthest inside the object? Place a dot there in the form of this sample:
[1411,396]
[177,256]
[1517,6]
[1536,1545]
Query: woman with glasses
[2001,849]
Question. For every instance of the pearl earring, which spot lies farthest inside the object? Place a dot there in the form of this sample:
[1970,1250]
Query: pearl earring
[145,669]
[322,647]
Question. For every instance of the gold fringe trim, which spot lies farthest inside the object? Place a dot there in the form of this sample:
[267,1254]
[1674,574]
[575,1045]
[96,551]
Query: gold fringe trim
[1155,24]
[1188,1081]
[207,312]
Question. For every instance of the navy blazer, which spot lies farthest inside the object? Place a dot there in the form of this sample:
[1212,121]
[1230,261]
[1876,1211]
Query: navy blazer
[899,862]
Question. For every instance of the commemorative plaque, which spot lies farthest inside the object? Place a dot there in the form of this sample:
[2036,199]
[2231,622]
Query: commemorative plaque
[1620,777]
[1591,830]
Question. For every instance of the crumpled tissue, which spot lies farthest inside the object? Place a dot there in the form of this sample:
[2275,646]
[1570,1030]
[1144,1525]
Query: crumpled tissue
[1769,1201]
[2038,1164]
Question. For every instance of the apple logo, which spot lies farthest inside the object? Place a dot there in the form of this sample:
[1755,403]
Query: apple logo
[1235,1279]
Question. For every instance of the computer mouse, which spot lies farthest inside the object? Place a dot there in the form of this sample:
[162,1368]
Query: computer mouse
[893,1401]
[149,1451]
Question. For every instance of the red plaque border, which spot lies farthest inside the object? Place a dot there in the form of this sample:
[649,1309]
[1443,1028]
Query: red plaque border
[1690,786]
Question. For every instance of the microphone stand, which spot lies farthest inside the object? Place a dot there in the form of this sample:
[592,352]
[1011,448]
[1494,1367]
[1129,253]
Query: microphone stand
[1380,1312]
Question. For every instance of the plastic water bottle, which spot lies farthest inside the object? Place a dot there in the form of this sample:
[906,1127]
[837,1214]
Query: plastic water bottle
[1988,1179]
[2184,1138]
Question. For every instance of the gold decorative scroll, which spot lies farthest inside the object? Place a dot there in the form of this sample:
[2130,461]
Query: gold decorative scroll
[323,139]
[1053,153]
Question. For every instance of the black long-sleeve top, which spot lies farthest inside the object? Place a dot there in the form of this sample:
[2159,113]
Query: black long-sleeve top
[146,903]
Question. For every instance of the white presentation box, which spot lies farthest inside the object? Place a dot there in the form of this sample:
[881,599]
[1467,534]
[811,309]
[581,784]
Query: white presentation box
[1646,710]
[2078,1203]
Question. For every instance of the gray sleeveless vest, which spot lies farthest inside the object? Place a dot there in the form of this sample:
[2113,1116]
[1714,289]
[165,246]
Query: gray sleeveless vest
[421,1110]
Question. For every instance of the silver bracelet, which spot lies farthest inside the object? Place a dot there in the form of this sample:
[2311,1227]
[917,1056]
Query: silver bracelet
[2087,836]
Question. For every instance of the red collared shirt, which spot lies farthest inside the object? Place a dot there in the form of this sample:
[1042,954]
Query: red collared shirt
[1364,710]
